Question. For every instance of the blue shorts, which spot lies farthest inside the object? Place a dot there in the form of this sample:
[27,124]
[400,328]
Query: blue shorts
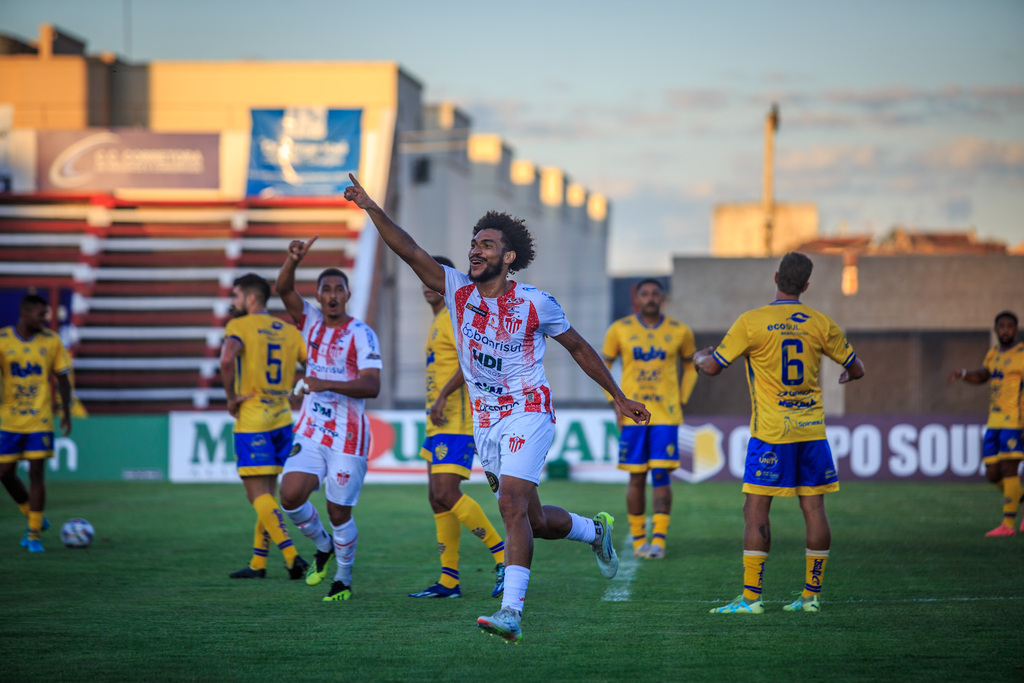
[15,446]
[449,453]
[643,447]
[1002,444]
[804,468]
[260,453]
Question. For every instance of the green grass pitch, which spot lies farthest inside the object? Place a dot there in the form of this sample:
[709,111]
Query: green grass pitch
[913,591]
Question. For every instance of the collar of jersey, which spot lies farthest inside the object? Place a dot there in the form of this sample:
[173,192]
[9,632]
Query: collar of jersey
[649,327]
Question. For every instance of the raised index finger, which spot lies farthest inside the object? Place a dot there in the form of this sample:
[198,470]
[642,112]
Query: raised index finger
[310,243]
[354,181]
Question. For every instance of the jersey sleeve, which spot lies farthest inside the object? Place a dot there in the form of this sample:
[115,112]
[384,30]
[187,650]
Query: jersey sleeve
[233,330]
[687,345]
[837,347]
[735,343]
[453,281]
[611,348]
[61,359]
[367,349]
[552,318]
[989,363]
[310,315]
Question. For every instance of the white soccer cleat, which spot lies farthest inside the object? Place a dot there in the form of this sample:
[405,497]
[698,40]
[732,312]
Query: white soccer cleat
[503,623]
[607,560]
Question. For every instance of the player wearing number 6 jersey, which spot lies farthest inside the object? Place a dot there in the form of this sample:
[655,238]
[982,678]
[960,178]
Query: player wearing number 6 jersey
[787,455]
[332,436]
[257,365]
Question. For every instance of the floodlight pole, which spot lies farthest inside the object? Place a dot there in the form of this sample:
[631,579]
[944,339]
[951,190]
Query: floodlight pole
[771,124]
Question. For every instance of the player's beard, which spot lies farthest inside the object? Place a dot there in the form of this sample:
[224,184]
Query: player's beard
[490,271]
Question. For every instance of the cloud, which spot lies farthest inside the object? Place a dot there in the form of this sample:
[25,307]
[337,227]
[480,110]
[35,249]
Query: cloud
[974,154]
[697,98]
[822,157]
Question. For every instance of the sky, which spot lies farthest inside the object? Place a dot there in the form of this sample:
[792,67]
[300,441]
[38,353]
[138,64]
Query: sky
[893,112]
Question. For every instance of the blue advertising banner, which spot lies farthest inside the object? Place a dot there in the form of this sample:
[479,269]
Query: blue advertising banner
[303,151]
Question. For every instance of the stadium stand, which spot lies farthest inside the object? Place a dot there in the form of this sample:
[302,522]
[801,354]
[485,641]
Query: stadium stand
[151,283]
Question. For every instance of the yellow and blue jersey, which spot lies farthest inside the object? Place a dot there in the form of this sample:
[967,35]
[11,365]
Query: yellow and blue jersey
[442,364]
[1006,387]
[650,364]
[266,368]
[26,368]
[783,343]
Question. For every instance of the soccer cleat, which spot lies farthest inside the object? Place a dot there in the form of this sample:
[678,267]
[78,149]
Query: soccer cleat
[248,572]
[1001,530]
[438,591]
[317,571]
[298,568]
[35,546]
[339,591]
[641,551]
[740,606]
[657,552]
[499,580]
[607,560]
[802,604]
[504,623]
[45,526]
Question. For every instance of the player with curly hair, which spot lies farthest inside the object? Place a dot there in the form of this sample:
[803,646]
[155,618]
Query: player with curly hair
[501,327]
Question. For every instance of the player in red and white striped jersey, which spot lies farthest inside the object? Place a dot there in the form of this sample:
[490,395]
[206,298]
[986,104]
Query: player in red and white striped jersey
[332,435]
[499,327]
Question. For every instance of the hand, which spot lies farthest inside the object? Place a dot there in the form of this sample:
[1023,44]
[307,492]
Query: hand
[437,410]
[234,403]
[357,195]
[957,374]
[844,377]
[297,249]
[634,410]
[65,424]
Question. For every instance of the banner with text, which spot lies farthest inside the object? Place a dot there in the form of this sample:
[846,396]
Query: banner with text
[906,448]
[303,151]
[120,158]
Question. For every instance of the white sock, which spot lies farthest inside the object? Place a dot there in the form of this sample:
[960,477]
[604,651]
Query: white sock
[308,522]
[583,529]
[517,578]
[346,537]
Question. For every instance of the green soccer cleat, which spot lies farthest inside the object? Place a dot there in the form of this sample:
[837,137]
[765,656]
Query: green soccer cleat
[739,606]
[339,591]
[803,604]
[504,623]
[603,548]
[298,568]
[317,571]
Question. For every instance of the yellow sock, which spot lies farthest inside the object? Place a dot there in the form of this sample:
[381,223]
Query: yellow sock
[260,546]
[273,522]
[638,529]
[472,516]
[1011,499]
[753,574]
[660,529]
[35,524]
[24,508]
[448,531]
[816,560]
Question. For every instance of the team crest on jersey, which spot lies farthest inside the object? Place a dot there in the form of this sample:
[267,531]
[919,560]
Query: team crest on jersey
[512,325]
[295,449]
[515,442]
[343,478]
[492,481]
[799,317]
[700,452]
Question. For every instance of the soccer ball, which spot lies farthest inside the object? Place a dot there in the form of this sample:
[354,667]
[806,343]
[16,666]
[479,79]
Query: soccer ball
[77,533]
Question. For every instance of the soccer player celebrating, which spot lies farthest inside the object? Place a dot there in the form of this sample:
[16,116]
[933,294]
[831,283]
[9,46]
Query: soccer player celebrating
[787,454]
[652,347]
[332,437]
[257,365]
[1002,450]
[500,329]
[30,356]
[448,450]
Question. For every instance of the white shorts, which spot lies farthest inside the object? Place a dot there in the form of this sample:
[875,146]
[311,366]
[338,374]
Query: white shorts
[516,446]
[343,474]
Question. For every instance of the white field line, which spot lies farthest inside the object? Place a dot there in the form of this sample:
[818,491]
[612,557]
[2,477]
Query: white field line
[618,589]
[850,601]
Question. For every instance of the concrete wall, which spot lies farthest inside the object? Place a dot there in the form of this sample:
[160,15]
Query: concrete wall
[738,229]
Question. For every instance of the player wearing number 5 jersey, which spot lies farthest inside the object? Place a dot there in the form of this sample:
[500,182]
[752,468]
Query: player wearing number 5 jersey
[787,455]
[257,365]
[332,436]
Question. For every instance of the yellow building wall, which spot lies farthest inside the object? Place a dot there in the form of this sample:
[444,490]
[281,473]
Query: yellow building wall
[46,93]
[738,230]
